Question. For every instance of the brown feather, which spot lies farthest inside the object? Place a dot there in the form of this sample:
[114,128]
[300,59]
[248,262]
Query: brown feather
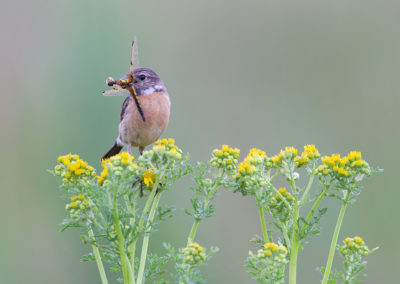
[133,130]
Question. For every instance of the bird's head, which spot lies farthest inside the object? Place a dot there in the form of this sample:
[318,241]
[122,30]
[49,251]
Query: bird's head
[146,81]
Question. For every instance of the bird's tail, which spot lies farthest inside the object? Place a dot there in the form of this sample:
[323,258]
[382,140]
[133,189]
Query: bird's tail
[114,150]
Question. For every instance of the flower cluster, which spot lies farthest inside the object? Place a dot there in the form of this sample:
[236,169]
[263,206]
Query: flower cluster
[79,206]
[249,178]
[268,265]
[225,158]
[168,147]
[278,204]
[120,165]
[290,153]
[343,167]
[256,157]
[354,248]
[193,254]
[274,252]
[310,153]
[73,169]
[163,155]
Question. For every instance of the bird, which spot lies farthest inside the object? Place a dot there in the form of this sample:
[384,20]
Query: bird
[145,112]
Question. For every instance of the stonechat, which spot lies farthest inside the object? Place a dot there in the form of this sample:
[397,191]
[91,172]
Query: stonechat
[145,112]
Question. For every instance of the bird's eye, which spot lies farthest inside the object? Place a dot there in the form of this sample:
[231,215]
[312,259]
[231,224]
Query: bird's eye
[142,77]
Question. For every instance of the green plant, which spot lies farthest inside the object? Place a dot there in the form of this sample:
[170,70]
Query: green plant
[122,205]
[257,176]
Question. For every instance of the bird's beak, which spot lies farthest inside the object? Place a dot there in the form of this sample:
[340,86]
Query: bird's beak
[134,79]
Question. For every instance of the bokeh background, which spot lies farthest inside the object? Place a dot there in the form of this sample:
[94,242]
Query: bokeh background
[246,73]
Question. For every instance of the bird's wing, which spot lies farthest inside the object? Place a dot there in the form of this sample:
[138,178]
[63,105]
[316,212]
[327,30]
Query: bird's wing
[116,92]
[124,106]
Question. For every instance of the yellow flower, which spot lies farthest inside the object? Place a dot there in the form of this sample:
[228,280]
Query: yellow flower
[276,159]
[311,152]
[300,161]
[149,177]
[246,168]
[354,156]
[273,250]
[256,157]
[358,240]
[282,190]
[73,169]
[79,172]
[194,253]
[225,158]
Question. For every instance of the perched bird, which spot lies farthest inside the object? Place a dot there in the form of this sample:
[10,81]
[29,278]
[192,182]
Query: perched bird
[144,113]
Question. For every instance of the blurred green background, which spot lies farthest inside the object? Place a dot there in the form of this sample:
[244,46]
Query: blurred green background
[246,73]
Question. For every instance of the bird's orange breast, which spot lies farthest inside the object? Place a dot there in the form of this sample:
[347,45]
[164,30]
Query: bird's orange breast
[133,130]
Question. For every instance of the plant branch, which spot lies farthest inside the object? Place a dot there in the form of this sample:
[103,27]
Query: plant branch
[147,237]
[263,224]
[126,269]
[97,255]
[334,239]
[132,247]
[295,243]
[209,197]
[310,182]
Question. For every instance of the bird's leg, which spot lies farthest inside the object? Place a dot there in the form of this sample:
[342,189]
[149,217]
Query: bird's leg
[129,149]
[141,149]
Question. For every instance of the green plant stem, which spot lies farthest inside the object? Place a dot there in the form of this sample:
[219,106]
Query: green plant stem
[334,239]
[96,253]
[126,269]
[132,247]
[196,222]
[285,235]
[130,208]
[295,244]
[305,194]
[193,231]
[146,238]
[316,203]
[263,224]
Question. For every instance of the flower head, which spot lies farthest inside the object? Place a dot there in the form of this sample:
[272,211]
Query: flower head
[149,177]
[354,248]
[225,158]
[256,157]
[193,254]
[79,206]
[74,170]
[310,153]
[120,165]
[276,252]
[288,154]
[248,177]
[343,167]
[168,147]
